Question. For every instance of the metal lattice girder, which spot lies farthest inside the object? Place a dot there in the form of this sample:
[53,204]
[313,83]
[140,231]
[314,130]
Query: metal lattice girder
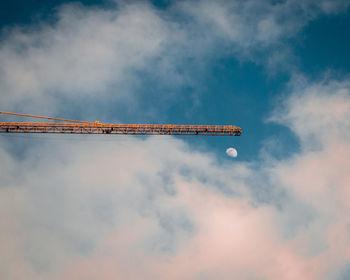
[128,129]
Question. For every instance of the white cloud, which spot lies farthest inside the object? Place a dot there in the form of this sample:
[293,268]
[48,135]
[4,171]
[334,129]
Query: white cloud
[83,54]
[256,24]
[314,116]
[93,54]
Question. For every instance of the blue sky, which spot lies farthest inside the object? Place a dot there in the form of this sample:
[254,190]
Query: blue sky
[278,69]
[225,88]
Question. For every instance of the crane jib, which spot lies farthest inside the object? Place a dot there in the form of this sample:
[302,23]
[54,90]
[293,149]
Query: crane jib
[117,129]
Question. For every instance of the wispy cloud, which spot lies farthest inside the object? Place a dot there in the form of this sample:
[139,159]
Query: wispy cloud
[97,53]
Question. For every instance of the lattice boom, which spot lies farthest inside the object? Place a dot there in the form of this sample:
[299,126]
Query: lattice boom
[129,129]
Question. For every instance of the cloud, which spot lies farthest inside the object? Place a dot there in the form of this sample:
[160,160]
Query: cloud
[83,53]
[144,208]
[136,208]
[91,54]
[257,30]
[315,117]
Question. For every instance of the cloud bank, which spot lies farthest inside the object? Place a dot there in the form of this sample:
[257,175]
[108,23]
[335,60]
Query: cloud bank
[149,208]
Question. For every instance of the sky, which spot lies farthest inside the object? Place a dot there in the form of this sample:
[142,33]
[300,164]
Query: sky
[172,207]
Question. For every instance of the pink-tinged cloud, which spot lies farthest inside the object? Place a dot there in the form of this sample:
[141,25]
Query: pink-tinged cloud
[232,240]
[154,209]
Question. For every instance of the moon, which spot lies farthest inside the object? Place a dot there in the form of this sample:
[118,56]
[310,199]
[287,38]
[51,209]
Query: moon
[231,152]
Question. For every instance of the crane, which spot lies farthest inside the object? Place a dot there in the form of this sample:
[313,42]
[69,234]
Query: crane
[85,127]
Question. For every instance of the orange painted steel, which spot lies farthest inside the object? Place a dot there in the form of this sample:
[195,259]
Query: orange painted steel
[128,129]
[84,127]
